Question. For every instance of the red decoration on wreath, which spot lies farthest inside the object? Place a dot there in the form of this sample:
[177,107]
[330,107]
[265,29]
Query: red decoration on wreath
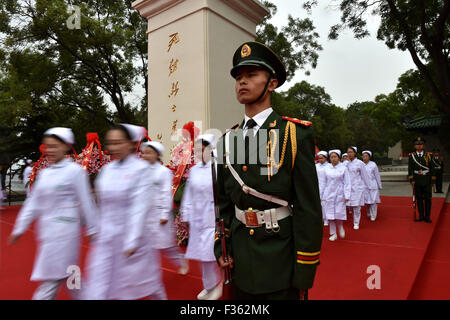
[145,135]
[39,165]
[92,158]
[182,159]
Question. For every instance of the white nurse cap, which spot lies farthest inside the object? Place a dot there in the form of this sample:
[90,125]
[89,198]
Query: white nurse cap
[65,134]
[154,144]
[136,132]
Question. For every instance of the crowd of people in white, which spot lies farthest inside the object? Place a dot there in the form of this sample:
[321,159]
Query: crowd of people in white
[346,184]
[130,223]
[127,220]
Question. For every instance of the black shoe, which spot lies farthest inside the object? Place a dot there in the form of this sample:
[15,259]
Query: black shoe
[428,220]
[418,220]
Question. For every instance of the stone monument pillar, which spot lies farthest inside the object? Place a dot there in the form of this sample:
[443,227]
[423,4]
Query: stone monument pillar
[190,49]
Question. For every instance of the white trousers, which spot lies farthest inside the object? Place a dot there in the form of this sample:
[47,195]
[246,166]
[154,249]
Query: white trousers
[175,254]
[48,290]
[324,216]
[372,210]
[356,215]
[211,275]
[159,294]
[333,224]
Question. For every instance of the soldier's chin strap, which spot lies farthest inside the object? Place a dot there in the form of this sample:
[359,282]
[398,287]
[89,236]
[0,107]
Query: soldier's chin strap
[264,91]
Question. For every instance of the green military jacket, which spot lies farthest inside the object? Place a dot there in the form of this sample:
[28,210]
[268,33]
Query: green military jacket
[438,166]
[417,164]
[267,262]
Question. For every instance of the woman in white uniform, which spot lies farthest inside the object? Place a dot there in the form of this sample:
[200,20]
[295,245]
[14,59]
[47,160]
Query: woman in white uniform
[197,208]
[161,218]
[123,264]
[372,196]
[336,193]
[360,181]
[62,202]
[344,159]
[26,175]
[320,169]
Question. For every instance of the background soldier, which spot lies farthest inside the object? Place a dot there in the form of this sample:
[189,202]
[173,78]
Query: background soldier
[271,207]
[438,163]
[421,176]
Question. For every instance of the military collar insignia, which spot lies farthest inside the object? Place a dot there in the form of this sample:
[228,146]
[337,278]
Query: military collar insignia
[246,51]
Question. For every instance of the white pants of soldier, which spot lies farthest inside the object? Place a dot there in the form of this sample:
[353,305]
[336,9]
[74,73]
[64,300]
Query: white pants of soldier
[212,281]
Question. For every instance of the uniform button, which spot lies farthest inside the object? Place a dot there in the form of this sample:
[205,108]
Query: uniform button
[226,166]
[252,232]
[244,168]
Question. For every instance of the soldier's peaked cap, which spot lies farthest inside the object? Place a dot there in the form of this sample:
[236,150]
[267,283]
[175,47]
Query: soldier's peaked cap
[258,55]
[419,140]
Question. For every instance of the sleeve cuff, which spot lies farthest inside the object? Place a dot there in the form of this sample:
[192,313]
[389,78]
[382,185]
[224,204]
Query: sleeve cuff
[308,257]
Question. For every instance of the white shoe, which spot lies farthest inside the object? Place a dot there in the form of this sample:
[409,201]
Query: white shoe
[342,233]
[184,269]
[215,293]
[333,237]
[355,227]
[202,295]
[325,224]
[372,219]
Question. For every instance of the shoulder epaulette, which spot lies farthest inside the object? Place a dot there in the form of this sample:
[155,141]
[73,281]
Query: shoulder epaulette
[232,128]
[235,126]
[411,153]
[302,122]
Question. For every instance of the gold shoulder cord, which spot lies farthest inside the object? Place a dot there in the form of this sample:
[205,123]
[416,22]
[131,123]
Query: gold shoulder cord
[290,128]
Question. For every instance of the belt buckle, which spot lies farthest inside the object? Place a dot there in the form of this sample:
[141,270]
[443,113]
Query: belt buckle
[251,219]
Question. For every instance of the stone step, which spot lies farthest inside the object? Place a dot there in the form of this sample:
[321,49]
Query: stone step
[393,168]
[394,176]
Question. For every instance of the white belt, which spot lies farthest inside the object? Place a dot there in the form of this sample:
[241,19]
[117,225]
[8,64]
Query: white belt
[256,218]
[421,172]
[246,189]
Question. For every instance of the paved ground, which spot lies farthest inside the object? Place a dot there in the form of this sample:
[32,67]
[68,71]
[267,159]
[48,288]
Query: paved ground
[390,188]
[403,189]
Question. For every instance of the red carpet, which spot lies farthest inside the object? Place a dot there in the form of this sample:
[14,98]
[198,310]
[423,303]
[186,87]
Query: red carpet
[16,265]
[393,242]
[433,280]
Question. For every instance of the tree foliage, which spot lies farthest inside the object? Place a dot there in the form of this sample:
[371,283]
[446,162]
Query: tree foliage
[419,26]
[53,75]
[89,64]
[296,44]
[310,102]
[84,78]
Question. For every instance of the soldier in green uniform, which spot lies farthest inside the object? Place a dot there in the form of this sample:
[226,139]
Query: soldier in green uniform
[438,163]
[421,175]
[267,188]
